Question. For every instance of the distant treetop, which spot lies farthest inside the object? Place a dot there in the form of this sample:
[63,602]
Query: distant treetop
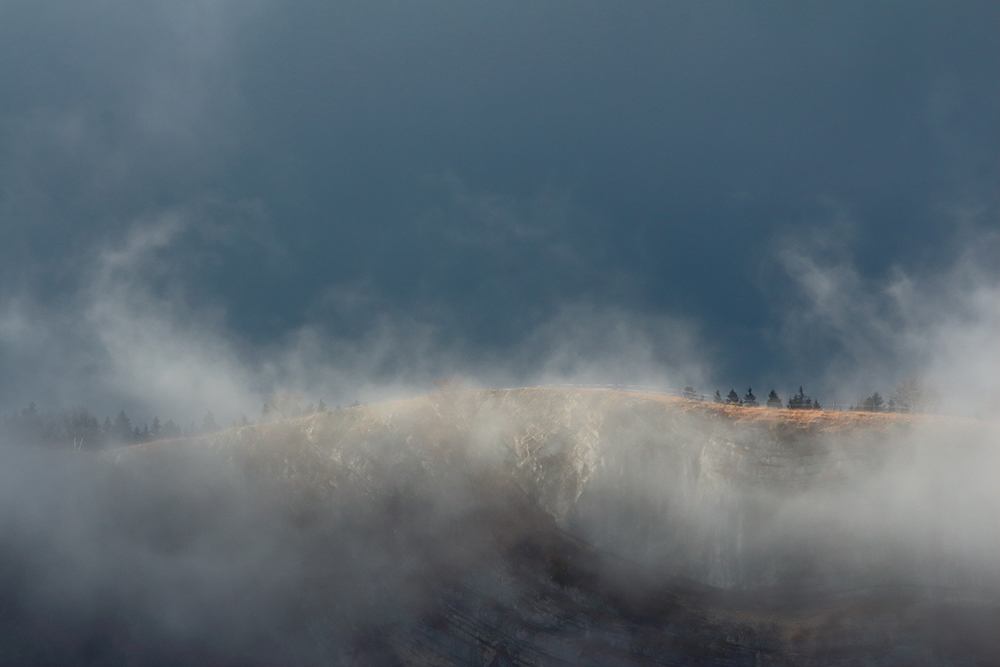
[802,402]
[773,400]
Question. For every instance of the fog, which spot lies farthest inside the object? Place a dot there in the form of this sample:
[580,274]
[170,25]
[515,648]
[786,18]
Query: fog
[741,509]
[874,333]
[208,206]
[409,192]
[296,546]
[132,337]
[191,559]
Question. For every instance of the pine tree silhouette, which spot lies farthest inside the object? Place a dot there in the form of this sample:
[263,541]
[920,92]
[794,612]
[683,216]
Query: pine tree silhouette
[122,428]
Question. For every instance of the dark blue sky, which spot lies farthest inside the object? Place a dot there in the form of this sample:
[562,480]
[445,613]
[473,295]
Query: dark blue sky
[484,173]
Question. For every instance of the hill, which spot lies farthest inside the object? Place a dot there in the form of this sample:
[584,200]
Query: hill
[558,527]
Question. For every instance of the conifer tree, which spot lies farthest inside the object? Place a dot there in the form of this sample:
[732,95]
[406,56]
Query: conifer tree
[171,430]
[122,428]
[208,424]
[800,401]
[773,400]
[873,403]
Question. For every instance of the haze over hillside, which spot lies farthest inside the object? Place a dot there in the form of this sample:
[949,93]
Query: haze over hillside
[212,206]
[515,527]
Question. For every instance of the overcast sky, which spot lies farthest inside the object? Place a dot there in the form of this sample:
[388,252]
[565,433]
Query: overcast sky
[203,200]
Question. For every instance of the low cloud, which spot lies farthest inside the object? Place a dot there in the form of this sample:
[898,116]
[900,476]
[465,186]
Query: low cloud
[586,343]
[135,335]
[867,334]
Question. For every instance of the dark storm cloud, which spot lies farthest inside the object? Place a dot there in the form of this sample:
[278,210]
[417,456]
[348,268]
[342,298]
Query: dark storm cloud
[463,175]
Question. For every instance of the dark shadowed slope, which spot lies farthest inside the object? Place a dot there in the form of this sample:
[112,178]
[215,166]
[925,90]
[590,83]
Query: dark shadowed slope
[537,527]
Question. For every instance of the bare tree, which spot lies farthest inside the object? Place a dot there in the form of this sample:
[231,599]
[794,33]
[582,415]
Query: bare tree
[914,395]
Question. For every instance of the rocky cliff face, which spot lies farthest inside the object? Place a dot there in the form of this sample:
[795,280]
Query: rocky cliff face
[555,527]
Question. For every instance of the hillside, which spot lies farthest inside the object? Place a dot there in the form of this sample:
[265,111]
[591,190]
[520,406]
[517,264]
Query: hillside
[565,527]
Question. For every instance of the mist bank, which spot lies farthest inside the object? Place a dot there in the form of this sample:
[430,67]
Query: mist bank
[547,525]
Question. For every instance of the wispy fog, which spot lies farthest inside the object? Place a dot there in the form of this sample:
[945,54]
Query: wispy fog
[863,334]
[131,336]
[337,199]
[212,209]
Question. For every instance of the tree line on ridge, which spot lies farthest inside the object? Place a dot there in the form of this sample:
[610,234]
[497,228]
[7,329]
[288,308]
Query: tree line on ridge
[80,430]
[912,395]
